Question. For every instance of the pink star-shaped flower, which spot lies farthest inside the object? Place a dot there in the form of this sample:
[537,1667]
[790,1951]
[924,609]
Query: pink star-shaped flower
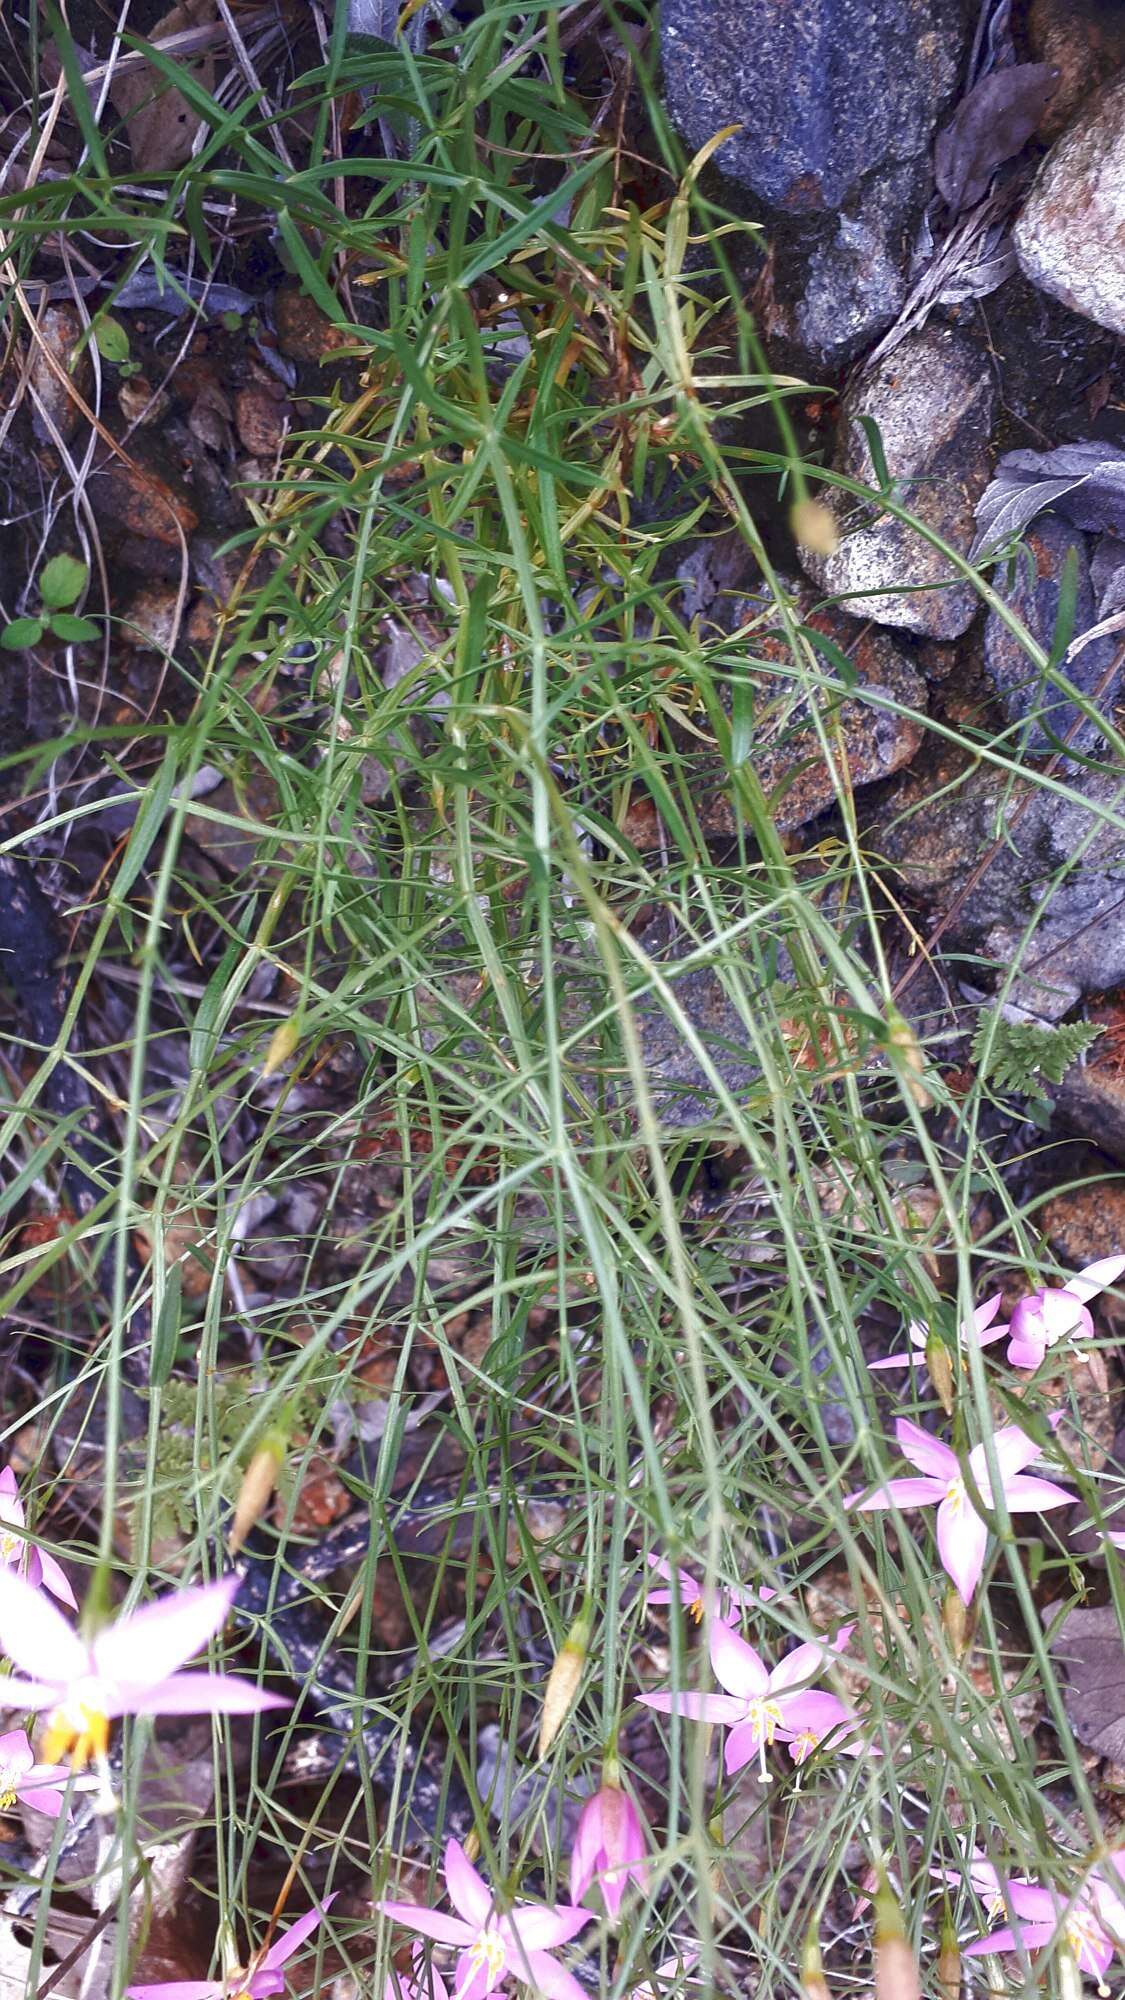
[1058,1312]
[962,1536]
[760,1704]
[494,1944]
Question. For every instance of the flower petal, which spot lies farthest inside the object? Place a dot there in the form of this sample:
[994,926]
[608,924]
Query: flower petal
[809,1659]
[292,1939]
[1027,1495]
[1031,1936]
[469,1893]
[695,1707]
[36,1636]
[146,1646]
[546,1976]
[1026,1352]
[983,1317]
[891,1361]
[176,1989]
[901,1493]
[195,1694]
[926,1452]
[430,1923]
[538,1927]
[1014,1450]
[16,1754]
[742,1746]
[962,1539]
[738,1668]
[474,1981]
[42,1799]
[55,1579]
[33,1694]
[1087,1283]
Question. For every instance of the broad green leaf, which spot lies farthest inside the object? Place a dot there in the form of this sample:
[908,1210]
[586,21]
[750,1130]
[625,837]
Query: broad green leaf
[112,339]
[75,631]
[21,632]
[61,581]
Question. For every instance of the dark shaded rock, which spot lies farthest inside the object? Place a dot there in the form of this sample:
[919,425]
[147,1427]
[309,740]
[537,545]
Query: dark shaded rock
[1070,238]
[786,752]
[1085,42]
[1034,597]
[932,401]
[825,91]
[947,817]
[838,286]
[1090,1103]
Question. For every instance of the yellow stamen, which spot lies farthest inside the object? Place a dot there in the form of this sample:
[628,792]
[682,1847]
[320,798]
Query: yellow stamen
[7,1801]
[695,1609]
[82,1740]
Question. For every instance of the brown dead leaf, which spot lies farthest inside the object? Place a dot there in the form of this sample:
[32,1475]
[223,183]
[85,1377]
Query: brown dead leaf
[160,123]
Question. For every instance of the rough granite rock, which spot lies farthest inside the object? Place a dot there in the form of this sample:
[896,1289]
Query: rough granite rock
[945,817]
[1070,238]
[877,740]
[1035,599]
[1085,40]
[838,284]
[932,401]
[825,91]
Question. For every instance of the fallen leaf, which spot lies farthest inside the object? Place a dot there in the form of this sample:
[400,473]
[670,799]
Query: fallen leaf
[161,125]
[1084,482]
[990,125]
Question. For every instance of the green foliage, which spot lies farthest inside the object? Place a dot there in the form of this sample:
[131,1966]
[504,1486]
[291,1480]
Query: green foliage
[112,339]
[62,581]
[1018,1057]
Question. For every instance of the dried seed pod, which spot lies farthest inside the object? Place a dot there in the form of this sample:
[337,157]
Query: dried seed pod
[896,1970]
[813,525]
[565,1674]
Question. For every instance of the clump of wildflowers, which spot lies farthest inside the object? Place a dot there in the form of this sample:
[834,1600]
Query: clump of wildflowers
[761,1705]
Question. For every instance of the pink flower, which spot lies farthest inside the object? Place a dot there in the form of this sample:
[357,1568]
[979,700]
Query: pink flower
[493,1945]
[610,1844]
[822,1716]
[699,1599]
[978,1331]
[21,1778]
[961,1534]
[247,1982]
[760,1705]
[983,1878]
[130,1668]
[16,1552]
[1090,1926]
[1058,1312]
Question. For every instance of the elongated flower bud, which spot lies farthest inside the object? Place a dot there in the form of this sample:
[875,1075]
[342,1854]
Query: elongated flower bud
[939,1366]
[905,1044]
[258,1482]
[955,1620]
[565,1674]
[283,1041]
[949,1960]
[814,1986]
[896,1972]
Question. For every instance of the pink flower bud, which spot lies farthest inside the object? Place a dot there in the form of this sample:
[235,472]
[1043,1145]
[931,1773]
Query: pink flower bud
[609,1845]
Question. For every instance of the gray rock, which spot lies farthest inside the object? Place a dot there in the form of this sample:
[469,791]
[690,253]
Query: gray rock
[1034,597]
[931,400]
[1070,238]
[945,822]
[825,91]
[837,289]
